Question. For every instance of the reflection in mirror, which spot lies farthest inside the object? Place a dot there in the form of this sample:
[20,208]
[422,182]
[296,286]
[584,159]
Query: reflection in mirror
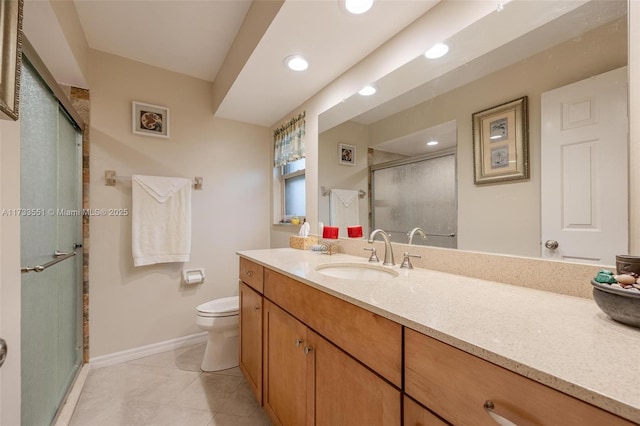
[489,63]
[417,193]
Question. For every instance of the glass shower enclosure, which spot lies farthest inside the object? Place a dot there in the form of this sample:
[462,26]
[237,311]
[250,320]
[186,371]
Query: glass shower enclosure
[417,192]
[51,230]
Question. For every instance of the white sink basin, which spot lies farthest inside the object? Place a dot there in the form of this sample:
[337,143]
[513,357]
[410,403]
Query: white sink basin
[356,271]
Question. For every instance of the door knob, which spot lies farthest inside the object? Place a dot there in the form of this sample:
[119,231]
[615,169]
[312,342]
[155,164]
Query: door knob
[551,244]
[3,351]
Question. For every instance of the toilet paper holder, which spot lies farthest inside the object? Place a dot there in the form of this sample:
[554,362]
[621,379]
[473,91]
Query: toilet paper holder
[193,276]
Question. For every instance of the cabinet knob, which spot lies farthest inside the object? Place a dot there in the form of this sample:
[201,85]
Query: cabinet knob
[249,273]
[298,342]
[488,407]
[256,308]
[307,349]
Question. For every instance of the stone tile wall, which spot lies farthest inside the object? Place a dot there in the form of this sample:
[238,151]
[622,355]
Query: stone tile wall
[80,100]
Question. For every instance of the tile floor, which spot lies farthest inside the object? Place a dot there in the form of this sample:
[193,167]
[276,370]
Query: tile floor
[167,389]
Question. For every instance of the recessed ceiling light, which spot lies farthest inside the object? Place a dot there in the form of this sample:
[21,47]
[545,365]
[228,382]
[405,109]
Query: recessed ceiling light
[296,62]
[437,51]
[358,7]
[432,143]
[367,91]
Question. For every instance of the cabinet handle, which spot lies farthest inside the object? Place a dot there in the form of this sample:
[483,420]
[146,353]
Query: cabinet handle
[307,349]
[298,342]
[249,273]
[256,308]
[488,407]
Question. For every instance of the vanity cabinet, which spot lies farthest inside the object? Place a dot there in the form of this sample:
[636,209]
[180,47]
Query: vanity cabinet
[251,338]
[416,415]
[457,386]
[373,340]
[310,381]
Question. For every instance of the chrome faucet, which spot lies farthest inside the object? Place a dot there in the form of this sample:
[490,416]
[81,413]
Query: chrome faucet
[414,231]
[388,251]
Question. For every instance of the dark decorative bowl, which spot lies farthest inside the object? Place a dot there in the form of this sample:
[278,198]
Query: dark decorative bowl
[626,264]
[621,305]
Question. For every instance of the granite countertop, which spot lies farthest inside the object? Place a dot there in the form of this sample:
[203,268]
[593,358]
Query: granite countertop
[564,342]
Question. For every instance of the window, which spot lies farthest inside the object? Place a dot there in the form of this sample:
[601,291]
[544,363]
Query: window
[289,171]
[293,188]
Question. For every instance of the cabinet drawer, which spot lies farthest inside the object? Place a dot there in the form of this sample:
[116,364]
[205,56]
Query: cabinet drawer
[455,385]
[252,274]
[373,340]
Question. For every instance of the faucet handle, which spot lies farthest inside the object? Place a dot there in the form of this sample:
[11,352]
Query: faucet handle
[406,262]
[374,256]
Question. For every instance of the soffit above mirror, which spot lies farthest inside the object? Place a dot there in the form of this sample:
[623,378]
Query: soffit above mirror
[490,44]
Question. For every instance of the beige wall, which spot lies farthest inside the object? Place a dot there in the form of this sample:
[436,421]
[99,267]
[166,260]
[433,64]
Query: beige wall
[10,271]
[132,307]
[332,174]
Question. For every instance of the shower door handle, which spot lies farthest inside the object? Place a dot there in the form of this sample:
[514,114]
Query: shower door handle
[58,257]
[3,351]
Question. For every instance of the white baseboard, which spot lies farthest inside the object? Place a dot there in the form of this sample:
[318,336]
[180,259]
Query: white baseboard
[142,351]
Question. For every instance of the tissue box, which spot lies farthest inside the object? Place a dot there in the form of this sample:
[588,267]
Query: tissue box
[302,243]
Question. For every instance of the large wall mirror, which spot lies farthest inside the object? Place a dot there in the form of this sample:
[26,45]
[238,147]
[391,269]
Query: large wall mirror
[569,60]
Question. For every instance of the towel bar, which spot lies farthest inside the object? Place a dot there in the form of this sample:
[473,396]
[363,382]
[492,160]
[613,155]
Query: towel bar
[326,192]
[110,178]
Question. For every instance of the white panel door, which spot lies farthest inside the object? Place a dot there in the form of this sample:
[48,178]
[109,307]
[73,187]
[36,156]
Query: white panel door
[584,158]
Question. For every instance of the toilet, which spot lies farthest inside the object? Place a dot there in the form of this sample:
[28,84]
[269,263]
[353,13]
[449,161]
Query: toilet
[220,319]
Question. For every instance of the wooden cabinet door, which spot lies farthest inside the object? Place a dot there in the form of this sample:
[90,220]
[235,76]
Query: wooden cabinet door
[285,395]
[347,393]
[251,338]
[416,415]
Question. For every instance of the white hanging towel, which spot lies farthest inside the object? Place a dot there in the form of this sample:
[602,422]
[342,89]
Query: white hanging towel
[161,219]
[343,209]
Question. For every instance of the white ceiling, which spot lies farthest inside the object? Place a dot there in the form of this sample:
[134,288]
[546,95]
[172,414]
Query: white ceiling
[189,37]
[194,37]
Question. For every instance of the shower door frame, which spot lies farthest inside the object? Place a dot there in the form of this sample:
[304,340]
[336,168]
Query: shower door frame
[66,104]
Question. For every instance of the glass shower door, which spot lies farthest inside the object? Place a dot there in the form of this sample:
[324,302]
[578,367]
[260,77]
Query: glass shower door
[51,333]
[430,203]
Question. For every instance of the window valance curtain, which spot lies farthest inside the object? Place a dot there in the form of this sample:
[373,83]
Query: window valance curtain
[289,141]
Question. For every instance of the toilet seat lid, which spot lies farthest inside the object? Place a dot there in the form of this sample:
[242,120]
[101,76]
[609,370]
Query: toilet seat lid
[225,306]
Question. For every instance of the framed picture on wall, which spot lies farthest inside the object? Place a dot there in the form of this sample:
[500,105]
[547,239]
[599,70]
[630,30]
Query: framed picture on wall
[11,35]
[346,154]
[150,120]
[501,143]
